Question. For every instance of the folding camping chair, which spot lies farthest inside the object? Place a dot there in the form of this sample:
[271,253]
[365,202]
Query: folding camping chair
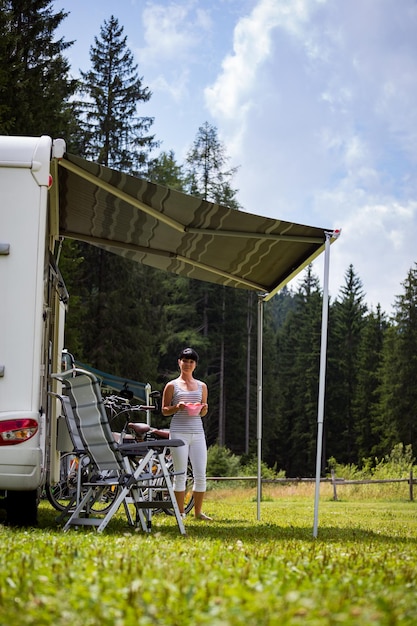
[126,466]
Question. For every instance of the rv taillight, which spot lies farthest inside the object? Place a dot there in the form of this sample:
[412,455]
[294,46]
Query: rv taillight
[17,431]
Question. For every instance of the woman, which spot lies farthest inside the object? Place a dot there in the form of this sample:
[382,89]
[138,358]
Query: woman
[178,399]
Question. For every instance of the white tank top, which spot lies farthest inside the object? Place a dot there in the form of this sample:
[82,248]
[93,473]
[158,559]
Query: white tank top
[181,421]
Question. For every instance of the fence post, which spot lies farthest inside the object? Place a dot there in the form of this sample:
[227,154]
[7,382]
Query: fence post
[334,485]
[411,486]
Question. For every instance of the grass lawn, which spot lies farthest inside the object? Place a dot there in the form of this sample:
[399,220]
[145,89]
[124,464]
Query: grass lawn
[236,570]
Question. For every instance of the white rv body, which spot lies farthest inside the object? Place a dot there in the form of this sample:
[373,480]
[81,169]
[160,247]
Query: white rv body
[31,314]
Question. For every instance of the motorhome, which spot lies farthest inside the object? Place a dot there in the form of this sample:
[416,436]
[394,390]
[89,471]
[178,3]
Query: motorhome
[33,300]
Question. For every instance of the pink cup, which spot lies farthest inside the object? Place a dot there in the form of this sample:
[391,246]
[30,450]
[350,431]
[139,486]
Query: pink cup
[193,408]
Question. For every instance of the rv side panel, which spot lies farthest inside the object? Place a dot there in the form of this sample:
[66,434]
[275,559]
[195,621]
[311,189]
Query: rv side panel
[24,179]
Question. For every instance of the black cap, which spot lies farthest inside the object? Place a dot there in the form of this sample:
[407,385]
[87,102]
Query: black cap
[189,353]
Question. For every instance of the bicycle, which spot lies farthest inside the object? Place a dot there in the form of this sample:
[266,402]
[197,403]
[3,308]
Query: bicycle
[74,471]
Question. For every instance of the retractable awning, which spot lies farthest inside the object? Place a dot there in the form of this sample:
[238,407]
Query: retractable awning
[186,235]
[172,231]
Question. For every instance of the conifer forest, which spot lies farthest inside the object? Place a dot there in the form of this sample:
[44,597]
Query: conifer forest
[132,320]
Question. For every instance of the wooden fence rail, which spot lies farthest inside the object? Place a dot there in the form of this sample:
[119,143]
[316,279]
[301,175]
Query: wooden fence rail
[336,482]
[341,481]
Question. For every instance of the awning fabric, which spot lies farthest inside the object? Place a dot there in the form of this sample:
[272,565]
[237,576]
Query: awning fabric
[172,231]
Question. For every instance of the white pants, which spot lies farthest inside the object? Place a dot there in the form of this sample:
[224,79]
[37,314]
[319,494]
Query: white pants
[195,448]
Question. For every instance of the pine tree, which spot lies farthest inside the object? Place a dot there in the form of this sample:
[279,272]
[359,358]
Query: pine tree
[280,306]
[119,301]
[206,174]
[114,134]
[398,412]
[276,430]
[164,170]
[367,396]
[385,428]
[298,359]
[34,82]
[346,326]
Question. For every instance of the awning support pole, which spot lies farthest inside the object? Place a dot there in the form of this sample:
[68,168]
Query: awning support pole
[322,381]
[259,402]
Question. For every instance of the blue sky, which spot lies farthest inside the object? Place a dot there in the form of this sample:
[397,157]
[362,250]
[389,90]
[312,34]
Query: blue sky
[314,100]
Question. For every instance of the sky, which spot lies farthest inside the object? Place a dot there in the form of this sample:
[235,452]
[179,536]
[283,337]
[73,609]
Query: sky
[315,102]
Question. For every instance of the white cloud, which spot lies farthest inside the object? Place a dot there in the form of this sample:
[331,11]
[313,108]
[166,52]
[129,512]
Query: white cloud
[171,31]
[172,34]
[175,88]
[238,87]
[230,96]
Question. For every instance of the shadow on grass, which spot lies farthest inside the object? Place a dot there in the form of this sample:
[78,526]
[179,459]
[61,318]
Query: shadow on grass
[233,530]
[256,532]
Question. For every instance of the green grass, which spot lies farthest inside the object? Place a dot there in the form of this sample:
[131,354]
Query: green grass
[362,568]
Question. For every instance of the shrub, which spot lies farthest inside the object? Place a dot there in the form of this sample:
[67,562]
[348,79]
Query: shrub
[349,471]
[251,469]
[222,462]
[397,464]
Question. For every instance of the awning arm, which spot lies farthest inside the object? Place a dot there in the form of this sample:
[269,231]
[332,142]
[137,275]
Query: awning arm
[255,235]
[122,195]
[98,241]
